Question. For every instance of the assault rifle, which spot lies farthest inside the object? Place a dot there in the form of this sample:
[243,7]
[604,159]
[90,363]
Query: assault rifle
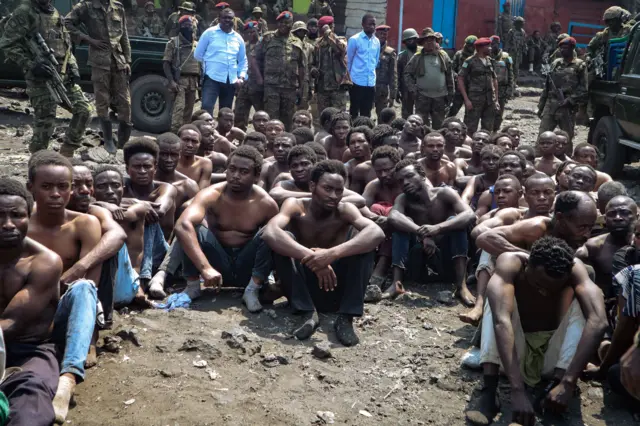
[39,49]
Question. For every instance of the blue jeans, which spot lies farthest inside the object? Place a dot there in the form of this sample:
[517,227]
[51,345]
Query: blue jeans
[236,264]
[155,247]
[212,90]
[73,325]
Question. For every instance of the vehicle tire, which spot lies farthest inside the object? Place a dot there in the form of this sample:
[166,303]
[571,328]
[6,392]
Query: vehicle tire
[605,137]
[151,103]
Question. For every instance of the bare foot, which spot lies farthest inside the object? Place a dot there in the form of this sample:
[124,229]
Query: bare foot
[465,296]
[61,401]
[393,291]
[473,316]
[92,357]
[141,299]
[603,349]
[156,286]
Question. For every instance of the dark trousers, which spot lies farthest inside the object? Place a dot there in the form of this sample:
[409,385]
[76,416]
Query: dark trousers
[106,288]
[361,99]
[236,265]
[212,90]
[30,392]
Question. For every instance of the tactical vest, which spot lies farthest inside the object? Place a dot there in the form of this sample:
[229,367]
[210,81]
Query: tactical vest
[51,29]
[501,69]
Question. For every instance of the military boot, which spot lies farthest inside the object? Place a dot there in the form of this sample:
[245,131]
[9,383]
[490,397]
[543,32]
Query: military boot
[124,133]
[107,135]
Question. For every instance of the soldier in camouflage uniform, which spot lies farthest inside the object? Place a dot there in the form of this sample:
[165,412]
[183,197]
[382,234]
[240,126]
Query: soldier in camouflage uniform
[616,28]
[39,16]
[319,8]
[178,59]
[551,40]
[458,59]
[150,25]
[251,94]
[505,21]
[109,59]
[282,66]
[569,74]
[515,45]
[478,84]
[172,27]
[238,25]
[300,31]
[386,77]
[281,6]
[410,41]
[330,67]
[256,15]
[429,77]
[504,71]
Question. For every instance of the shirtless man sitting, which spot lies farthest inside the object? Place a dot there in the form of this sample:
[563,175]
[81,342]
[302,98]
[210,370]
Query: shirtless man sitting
[359,142]
[72,236]
[585,153]
[336,142]
[540,191]
[439,171]
[453,148]
[303,135]
[259,121]
[195,167]
[457,130]
[257,140]
[30,293]
[502,140]
[490,159]
[606,193]
[574,215]
[564,147]
[229,250]
[383,135]
[435,217]
[325,123]
[547,163]
[512,163]
[472,166]
[274,129]
[583,178]
[212,145]
[204,115]
[318,148]
[326,256]
[226,120]
[301,160]
[169,147]
[545,318]
[270,171]
[301,118]
[106,251]
[412,134]
[514,132]
[379,196]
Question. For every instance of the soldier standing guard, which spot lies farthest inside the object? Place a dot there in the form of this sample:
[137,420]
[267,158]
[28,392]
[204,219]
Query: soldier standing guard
[598,46]
[109,59]
[458,59]
[319,8]
[183,72]
[251,94]
[410,40]
[505,21]
[237,22]
[504,71]
[256,15]
[515,45]
[386,72]
[150,25]
[281,66]
[565,90]
[478,85]
[41,18]
[172,28]
[300,31]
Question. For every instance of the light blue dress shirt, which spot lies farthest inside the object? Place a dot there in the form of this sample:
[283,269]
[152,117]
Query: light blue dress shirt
[223,55]
[363,54]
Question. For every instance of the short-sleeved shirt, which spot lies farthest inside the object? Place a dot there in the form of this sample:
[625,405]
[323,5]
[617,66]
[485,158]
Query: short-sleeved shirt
[185,61]
[628,283]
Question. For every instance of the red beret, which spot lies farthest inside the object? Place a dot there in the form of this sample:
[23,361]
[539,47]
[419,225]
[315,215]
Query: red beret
[567,40]
[494,38]
[383,28]
[484,41]
[222,5]
[250,24]
[284,15]
[325,20]
[186,18]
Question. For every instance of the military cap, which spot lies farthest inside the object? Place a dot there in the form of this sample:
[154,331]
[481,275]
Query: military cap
[299,25]
[484,41]
[470,39]
[409,33]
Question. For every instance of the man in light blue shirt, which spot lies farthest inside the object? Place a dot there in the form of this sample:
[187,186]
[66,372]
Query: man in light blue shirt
[222,53]
[363,54]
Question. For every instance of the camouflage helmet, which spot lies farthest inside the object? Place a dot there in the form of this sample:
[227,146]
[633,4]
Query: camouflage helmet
[409,33]
[561,37]
[519,19]
[614,12]
[470,40]
[299,25]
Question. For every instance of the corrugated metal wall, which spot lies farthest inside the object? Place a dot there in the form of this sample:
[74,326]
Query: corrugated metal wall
[354,9]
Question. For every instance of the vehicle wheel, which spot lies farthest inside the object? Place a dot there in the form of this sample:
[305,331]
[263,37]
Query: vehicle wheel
[151,103]
[605,137]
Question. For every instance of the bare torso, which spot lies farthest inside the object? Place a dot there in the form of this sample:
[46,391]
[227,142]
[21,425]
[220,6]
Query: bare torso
[325,232]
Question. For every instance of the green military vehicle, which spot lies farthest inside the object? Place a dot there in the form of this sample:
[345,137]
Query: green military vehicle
[615,102]
[151,99]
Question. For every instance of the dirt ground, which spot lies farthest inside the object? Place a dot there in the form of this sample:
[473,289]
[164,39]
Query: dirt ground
[217,363]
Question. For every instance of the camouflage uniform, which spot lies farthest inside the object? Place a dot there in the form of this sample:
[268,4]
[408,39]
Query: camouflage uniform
[250,94]
[432,108]
[109,68]
[458,59]
[185,97]
[478,79]
[318,9]
[386,78]
[263,27]
[504,25]
[281,6]
[172,27]
[571,80]
[407,97]
[598,46]
[281,59]
[27,19]
[504,71]
[550,42]
[331,63]
[151,23]
[515,44]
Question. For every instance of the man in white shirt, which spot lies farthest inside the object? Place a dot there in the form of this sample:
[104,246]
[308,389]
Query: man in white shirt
[222,53]
[363,54]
